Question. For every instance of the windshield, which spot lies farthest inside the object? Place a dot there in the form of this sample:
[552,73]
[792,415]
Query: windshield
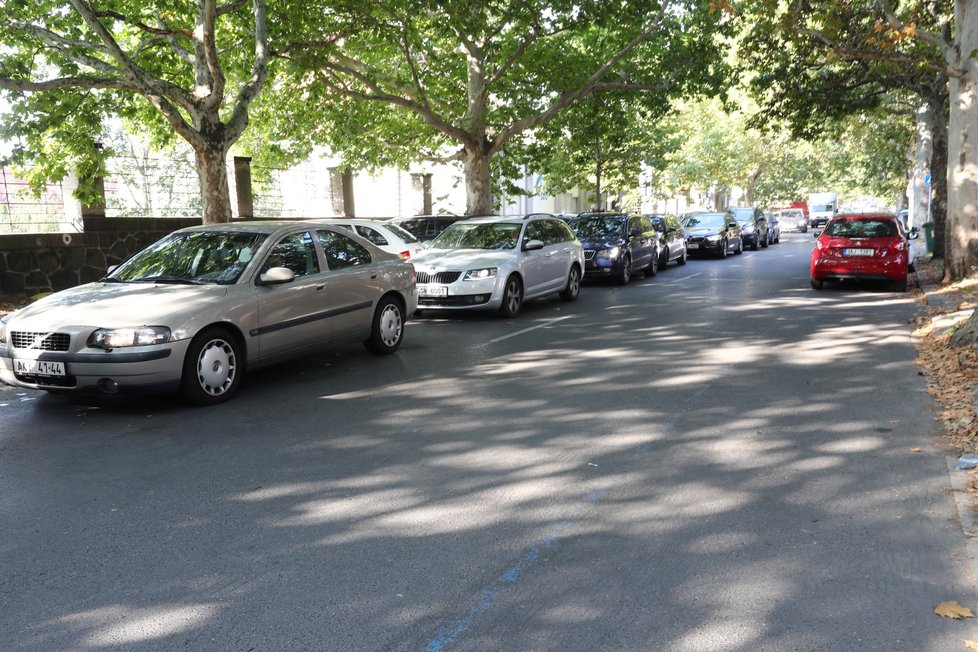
[194,257]
[705,221]
[400,232]
[597,228]
[861,228]
[743,215]
[463,235]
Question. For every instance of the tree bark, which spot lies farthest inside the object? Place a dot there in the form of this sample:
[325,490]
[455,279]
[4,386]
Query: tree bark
[478,181]
[923,153]
[962,154]
[213,173]
[938,201]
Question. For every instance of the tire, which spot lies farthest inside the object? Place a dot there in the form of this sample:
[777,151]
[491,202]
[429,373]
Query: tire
[805,230]
[573,288]
[817,284]
[777,238]
[754,246]
[900,286]
[626,271]
[664,258]
[723,249]
[682,259]
[740,248]
[512,297]
[387,330]
[765,242]
[213,367]
[653,267]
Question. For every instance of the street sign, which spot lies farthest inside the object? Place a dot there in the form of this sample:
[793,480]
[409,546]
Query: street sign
[927,179]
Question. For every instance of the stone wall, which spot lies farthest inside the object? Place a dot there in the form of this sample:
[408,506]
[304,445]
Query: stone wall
[31,264]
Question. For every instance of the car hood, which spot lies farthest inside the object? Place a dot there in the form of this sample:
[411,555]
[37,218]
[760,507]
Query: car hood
[117,305]
[702,230]
[600,243]
[460,259]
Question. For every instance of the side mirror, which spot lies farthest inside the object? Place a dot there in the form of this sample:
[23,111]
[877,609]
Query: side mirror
[914,233]
[817,233]
[533,245]
[277,276]
[634,233]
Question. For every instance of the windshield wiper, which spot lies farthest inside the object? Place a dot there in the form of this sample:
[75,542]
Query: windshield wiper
[111,279]
[168,279]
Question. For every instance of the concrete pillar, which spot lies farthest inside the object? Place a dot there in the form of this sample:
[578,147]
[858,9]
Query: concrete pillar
[96,207]
[242,186]
[349,210]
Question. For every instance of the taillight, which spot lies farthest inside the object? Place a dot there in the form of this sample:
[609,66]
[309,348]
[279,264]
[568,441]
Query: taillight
[896,248]
[405,254]
[819,244]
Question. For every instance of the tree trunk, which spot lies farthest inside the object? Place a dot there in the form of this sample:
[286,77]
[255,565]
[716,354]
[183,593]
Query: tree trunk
[478,182]
[213,173]
[598,170]
[962,154]
[938,189]
[923,153]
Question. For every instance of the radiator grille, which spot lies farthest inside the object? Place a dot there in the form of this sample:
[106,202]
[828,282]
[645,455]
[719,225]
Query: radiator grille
[439,277]
[40,341]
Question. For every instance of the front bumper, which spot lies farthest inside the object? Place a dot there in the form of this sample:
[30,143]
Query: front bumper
[697,247]
[601,267]
[483,294]
[154,368]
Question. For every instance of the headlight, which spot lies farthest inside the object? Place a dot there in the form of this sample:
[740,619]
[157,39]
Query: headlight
[609,253]
[479,274]
[747,228]
[117,338]
[3,331]
[714,238]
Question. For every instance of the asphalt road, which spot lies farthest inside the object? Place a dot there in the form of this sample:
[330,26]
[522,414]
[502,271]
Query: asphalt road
[718,458]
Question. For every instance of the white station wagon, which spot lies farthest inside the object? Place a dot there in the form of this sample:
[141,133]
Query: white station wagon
[495,263]
[197,308]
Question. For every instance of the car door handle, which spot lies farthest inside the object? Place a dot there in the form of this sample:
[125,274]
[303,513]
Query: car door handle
[373,276]
[320,288]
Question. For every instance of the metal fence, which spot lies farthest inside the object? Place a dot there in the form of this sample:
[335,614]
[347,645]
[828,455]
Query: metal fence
[22,212]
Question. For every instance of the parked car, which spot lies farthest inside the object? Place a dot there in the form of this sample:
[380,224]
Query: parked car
[793,219]
[773,228]
[617,244]
[193,311]
[862,246]
[495,263]
[386,235]
[753,226]
[713,233]
[672,239]
[426,227]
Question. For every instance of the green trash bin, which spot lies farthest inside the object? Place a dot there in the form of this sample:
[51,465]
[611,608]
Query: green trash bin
[929,235]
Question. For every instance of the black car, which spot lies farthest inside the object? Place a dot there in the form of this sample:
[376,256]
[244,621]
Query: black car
[672,239]
[753,225]
[713,234]
[426,227]
[617,244]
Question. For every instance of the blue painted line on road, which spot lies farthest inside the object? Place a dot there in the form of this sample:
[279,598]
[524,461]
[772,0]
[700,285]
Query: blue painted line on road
[448,634]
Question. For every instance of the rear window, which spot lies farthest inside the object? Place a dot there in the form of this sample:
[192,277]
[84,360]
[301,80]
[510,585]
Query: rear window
[861,228]
[403,234]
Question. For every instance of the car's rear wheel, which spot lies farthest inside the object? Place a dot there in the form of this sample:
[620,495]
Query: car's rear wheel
[573,287]
[387,330]
[817,284]
[654,265]
[213,367]
[900,286]
[625,275]
[512,297]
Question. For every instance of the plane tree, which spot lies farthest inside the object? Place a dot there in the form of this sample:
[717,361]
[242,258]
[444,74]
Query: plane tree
[170,69]
[466,80]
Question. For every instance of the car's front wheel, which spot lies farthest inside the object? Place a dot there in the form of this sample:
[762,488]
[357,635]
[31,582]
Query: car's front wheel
[213,367]
[654,264]
[723,249]
[387,330]
[625,275]
[682,259]
[573,288]
[512,297]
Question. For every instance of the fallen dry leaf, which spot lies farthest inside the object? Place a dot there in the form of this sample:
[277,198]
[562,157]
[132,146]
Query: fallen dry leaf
[952,609]
[917,449]
[971,645]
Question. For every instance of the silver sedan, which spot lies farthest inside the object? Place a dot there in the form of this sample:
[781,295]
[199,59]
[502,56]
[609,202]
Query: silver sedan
[192,311]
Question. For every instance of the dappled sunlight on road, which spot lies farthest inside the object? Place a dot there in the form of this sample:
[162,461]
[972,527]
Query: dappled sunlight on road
[122,625]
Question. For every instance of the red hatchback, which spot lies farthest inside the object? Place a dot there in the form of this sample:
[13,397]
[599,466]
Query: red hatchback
[866,246]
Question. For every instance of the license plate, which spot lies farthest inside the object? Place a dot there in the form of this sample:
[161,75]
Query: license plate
[424,291]
[692,245]
[39,367]
[858,252]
